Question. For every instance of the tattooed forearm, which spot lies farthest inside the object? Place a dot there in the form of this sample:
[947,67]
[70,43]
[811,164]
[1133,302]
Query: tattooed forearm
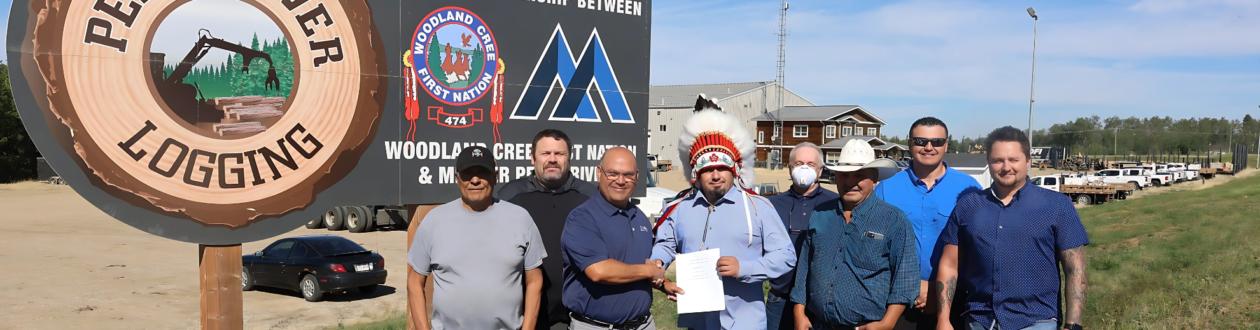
[945,292]
[1076,282]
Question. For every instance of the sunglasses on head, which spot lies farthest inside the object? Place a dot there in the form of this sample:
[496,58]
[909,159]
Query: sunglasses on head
[923,142]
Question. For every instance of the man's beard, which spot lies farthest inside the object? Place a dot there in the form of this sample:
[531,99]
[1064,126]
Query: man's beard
[549,178]
[1013,182]
[716,193]
[552,178]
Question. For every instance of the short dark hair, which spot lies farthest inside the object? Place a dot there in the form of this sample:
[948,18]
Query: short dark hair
[555,134]
[1007,134]
[929,122]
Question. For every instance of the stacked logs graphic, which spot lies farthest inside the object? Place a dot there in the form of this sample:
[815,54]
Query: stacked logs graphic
[245,114]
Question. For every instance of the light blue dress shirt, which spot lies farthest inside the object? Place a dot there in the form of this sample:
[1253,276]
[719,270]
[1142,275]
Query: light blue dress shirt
[765,254]
[927,209]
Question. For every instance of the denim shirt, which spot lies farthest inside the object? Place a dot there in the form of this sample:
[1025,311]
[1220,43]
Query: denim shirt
[848,273]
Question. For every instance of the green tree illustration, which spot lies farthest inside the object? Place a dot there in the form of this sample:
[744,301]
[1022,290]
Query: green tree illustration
[478,61]
[435,59]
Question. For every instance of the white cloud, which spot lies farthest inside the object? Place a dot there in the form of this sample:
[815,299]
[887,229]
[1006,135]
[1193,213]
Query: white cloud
[1103,60]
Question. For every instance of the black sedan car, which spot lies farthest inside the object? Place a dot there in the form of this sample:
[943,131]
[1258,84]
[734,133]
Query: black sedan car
[314,265]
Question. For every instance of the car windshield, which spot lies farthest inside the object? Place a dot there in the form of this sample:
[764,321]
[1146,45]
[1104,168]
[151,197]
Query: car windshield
[330,246]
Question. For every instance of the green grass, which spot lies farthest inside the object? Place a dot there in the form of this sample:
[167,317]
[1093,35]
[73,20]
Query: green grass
[1183,260]
[1180,260]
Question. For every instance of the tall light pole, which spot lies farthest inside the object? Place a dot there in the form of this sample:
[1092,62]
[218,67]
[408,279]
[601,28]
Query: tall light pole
[1032,86]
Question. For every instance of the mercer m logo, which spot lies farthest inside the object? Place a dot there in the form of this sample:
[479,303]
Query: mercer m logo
[590,72]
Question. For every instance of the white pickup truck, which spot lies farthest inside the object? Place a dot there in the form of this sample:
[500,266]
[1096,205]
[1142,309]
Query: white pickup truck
[1080,192]
[1178,176]
[1131,176]
[1190,175]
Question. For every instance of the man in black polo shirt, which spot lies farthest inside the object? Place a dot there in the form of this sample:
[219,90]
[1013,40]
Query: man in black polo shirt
[549,194]
[606,245]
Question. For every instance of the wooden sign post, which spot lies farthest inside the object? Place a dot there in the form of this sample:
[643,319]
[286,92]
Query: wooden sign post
[221,307]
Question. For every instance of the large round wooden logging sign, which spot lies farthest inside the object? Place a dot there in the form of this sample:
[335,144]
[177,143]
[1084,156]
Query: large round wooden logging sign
[183,114]
[227,121]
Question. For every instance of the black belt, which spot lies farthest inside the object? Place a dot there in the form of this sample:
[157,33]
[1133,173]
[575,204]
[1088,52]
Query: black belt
[634,323]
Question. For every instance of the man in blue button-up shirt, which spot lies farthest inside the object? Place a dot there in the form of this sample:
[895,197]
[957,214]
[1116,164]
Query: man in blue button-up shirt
[1015,236]
[926,192]
[794,207]
[857,267]
[719,213]
[606,244]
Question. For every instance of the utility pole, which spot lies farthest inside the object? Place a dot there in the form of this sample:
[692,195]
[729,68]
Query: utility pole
[1033,85]
[1115,141]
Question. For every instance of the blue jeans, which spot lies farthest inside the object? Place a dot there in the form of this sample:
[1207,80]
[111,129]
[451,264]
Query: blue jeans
[779,313]
[1050,324]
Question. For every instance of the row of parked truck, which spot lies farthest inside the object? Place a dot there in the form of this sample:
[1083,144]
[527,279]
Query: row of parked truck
[1122,179]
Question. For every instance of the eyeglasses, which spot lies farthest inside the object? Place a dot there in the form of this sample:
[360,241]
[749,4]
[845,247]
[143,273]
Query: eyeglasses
[923,142]
[612,176]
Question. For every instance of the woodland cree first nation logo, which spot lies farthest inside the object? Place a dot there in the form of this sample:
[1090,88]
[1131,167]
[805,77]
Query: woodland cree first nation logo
[454,58]
[149,128]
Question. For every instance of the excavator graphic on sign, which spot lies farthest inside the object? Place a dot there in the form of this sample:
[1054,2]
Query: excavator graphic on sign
[183,98]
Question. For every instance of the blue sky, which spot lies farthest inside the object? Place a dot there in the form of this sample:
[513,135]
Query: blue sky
[968,62]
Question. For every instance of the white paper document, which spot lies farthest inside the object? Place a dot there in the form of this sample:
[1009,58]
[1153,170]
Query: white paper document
[699,280]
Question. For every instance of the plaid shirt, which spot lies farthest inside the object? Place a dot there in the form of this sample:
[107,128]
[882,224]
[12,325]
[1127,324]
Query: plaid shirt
[848,273]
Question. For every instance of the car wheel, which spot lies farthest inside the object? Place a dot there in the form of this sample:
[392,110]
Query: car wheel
[335,218]
[1083,200]
[1135,185]
[316,223]
[310,288]
[368,289]
[247,280]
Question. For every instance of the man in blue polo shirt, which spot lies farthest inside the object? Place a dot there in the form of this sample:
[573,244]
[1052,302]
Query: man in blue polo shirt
[927,192]
[795,207]
[1014,237]
[606,244]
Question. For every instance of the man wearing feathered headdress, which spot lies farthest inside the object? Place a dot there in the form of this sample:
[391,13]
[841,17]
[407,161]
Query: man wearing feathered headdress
[719,212]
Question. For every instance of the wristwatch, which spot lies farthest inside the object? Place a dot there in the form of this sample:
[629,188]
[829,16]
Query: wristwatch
[1072,326]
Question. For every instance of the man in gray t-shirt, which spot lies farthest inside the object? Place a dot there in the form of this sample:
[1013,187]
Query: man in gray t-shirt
[477,248]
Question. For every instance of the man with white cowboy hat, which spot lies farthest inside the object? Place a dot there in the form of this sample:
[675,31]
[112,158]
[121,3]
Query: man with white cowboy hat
[857,268]
[719,212]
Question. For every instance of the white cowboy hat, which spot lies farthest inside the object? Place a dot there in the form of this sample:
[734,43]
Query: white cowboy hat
[858,155]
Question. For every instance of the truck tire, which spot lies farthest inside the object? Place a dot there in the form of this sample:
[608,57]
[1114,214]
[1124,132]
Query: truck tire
[1156,183]
[315,223]
[335,218]
[357,219]
[369,213]
[1084,200]
[1135,185]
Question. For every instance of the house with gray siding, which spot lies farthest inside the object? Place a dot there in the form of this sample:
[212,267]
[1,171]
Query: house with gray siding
[671,105]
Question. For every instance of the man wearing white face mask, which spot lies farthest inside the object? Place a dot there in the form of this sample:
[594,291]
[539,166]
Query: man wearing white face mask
[795,207]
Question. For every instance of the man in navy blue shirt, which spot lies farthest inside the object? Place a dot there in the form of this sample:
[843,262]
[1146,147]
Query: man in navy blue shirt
[1014,237]
[794,207]
[606,244]
[926,192]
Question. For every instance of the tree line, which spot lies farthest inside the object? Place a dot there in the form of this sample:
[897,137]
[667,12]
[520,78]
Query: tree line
[1095,135]
[226,79]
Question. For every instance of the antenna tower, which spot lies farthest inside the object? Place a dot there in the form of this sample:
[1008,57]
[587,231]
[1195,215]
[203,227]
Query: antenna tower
[782,33]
